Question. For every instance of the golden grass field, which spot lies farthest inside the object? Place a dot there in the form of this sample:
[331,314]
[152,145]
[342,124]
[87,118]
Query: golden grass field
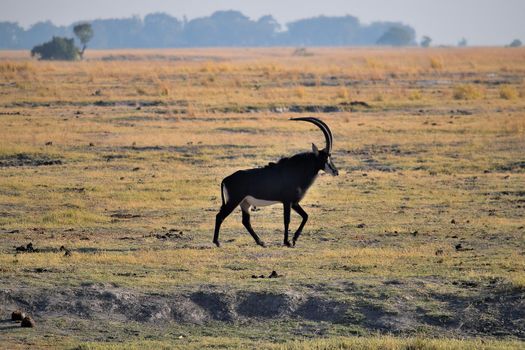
[114,156]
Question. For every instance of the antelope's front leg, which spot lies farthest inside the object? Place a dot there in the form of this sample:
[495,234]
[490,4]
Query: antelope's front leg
[287,209]
[299,210]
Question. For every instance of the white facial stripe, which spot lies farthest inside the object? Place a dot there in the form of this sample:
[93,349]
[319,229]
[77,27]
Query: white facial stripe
[329,169]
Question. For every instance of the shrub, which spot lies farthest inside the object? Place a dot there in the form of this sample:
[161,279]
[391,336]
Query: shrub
[343,93]
[299,92]
[508,92]
[466,92]
[57,49]
[436,63]
[415,95]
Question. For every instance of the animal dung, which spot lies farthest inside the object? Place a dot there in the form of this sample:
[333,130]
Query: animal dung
[460,248]
[27,248]
[17,315]
[274,274]
[28,322]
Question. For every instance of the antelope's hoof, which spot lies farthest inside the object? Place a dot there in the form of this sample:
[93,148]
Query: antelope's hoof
[293,242]
[217,243]
[261,243]
[287,243]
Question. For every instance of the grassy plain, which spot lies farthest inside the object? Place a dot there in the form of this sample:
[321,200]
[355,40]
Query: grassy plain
[419,243]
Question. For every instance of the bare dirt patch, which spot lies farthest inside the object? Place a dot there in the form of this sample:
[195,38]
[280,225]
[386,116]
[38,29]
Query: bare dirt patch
[24,159]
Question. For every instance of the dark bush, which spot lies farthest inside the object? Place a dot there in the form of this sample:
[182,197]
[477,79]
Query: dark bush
[515,43]
[398,36]
[425,42]
[57,49]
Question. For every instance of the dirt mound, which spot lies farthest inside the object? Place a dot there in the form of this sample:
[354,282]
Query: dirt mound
[496,313]
[265,305]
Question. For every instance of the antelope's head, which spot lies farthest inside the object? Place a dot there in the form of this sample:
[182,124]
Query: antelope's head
[324,156]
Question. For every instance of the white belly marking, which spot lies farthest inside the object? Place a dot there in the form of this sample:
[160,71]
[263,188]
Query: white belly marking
[254,202]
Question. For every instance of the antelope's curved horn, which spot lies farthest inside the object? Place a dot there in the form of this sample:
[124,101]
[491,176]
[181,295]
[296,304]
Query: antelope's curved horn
[324,128]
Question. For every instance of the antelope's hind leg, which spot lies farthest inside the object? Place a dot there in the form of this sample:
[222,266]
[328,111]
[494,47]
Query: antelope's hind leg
[245,208]
[226,209]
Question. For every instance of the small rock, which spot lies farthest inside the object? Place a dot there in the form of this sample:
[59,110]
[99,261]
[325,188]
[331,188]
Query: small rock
[361,225]
[415,233]
[67,253]
[452,221]
[439,252]
[91,144]
[62,248]
[49,143]
[459,246]
[17,315]
[28,322]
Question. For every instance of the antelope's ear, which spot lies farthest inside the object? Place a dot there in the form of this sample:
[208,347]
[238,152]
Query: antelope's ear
[315,149]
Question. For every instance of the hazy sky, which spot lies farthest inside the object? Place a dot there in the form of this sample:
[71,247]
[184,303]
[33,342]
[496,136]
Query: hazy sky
[481,22]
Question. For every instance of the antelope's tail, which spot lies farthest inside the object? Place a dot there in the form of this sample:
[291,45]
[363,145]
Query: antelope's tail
[222,192]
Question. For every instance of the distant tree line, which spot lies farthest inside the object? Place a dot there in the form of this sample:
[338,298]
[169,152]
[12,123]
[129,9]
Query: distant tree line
[223,28]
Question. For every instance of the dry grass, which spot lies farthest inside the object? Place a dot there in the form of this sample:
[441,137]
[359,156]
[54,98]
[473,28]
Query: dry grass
[467,92]
[152,135]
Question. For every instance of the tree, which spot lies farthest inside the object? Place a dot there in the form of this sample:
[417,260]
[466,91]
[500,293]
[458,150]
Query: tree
[397,36]
[84,33]
[463,43]
[425,42]
[57,49]
[515,43]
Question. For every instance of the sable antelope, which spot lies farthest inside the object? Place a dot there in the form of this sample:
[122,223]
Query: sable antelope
[283,182]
